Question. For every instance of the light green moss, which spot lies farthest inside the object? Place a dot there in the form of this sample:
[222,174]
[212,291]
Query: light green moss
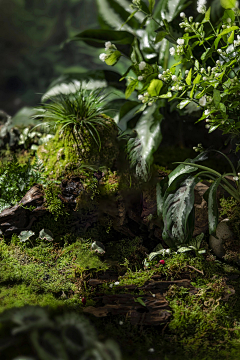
[61,157]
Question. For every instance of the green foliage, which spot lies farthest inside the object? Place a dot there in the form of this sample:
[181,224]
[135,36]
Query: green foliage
[175,198]
[54,205]
[66,336]
[16,179]
[77,112]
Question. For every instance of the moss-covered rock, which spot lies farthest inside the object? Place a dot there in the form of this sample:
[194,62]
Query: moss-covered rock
[62,155]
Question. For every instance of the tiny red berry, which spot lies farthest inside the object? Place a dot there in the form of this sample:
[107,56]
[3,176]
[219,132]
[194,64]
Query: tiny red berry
[162,262]
[84,301]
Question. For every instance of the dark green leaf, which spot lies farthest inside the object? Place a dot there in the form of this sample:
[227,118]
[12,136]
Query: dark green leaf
[216,97]
[160,35]
[151,5]
[213,207]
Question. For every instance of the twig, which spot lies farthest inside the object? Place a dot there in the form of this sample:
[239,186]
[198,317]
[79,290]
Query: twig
[191,267]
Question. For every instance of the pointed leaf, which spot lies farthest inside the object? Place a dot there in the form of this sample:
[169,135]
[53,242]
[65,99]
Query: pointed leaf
[213,207]
[183,103]
[130,88]
[178,211]
[151,5]
[189,77]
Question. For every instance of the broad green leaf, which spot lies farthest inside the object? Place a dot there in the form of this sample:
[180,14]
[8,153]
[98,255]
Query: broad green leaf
[216,97]
[178,211]
[229,14]
[151,5]
[189,77]
[142,148]
[213,207]
[131,87]
[126,73]
[228,4]
[160,35]
[25,235]
[155,87]
[113,58]
[187,168]
[183,103]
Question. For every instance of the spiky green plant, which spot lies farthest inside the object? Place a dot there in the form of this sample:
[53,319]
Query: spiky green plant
[77,113]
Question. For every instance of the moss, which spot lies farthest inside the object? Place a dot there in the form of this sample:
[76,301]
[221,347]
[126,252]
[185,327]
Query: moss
[60,155]
[54,204]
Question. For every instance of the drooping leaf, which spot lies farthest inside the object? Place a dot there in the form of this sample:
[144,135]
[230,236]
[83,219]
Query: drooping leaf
[142,148]
[213,207]
[161,187]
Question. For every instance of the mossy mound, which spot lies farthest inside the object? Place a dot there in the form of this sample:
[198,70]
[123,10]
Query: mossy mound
[62,155]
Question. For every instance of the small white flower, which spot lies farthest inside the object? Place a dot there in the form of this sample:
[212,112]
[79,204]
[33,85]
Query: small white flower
[108,44]
[219,51]
[111,285]
[229,20]
[203,101]
[160,76]
[238,174]
[120,322]
[207,112]
[160,67]
[180,88]
[214,69]
[164,72]
[150,104]
[142,65]
[151,350]
[140,97]
[207,126]
[140,78]
[174,78]
[218,62]
[103,56]
[217,74]
[201,6]
[228,27]
[182,15]
[180,41]
[209,68]
[224,26]
[190,18]
[207,120]
[199,145]
[153,295]
[235,178]
[197,24]
[194,147]
[173,88]
[146,94]
[172,51]
[186,72]
[116,283]
[202,70]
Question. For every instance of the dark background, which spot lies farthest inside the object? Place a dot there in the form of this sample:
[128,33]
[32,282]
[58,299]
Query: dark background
[31,55]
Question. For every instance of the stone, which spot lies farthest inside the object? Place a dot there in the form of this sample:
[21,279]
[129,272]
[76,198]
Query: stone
[223,233]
